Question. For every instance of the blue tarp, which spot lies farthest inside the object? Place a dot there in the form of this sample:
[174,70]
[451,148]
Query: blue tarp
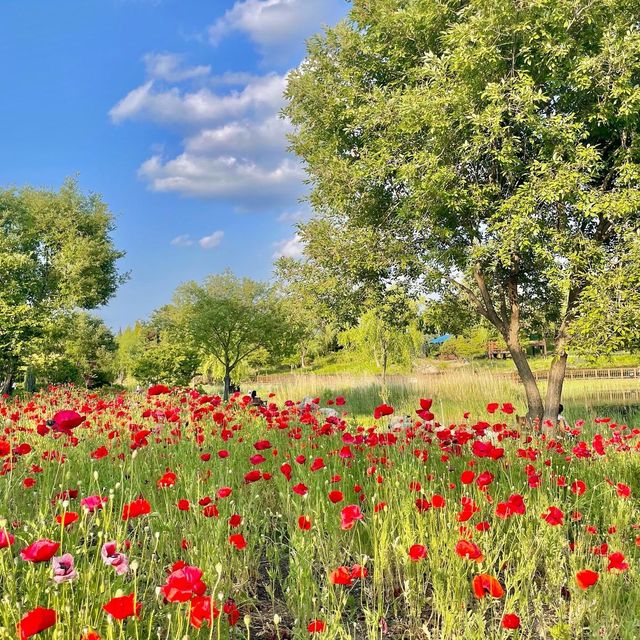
[441,339]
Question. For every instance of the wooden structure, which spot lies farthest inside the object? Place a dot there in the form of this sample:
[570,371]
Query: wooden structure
[496,352]
[613,373]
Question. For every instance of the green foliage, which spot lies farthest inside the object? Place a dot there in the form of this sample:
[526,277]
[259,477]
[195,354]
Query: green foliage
[56,255]
[473,344]
[131,343]
[611,307]
[160,350]
[308,313]
[491,151]
[231,320]
[382,339]
[167,362]
[76,347]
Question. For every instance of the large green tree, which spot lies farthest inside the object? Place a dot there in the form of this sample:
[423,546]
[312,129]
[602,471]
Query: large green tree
[56,255]
[387,335]
[231,319]
[161,350]
[77,347]
[493,147]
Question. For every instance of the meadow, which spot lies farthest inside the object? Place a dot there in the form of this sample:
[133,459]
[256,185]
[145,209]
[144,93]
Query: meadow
[172,514]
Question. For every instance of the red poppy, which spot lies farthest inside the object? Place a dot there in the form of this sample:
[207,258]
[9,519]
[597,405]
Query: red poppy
[358,572]
[484,479]
[382,410]
[123,607]
[167,480]
[35,621]
[336,496]
[341,576]
[135,509]
[202,609]
[469,550]
[182,584]
[100,453]
[66,519]
[623,490]
[316,626]
[235,520]
[238,541]
[300,489]
[469,507]
[417,552]
[485,584]
[467,476]
[438,501]
[349,516]
[183,505]
[304,523]
[252,476]
[6,539]
[578,487]
[40,551]
[586,578]
[553,516]
[158,389]
[513,505]
[210,511]
[492,407]
[617,562]
[285,470]
[510,621]
[65,421]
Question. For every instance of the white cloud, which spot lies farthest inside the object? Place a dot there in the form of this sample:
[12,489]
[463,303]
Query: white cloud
[169,67]
[182,241]
[247,183]
[277,26]
[264,139]
[289,247]
[212,241]
[262,95]
[235,144]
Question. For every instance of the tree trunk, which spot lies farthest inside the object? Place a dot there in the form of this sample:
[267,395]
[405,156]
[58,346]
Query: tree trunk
[534,399]
[6,385]
[557,373]
[385,362]
[227,383]
[29,380]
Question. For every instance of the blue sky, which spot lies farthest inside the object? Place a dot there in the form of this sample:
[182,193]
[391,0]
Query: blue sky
[168,108]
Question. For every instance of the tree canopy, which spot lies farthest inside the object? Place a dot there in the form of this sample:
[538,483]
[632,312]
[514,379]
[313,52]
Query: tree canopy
[492,148]
[56,256]
[231,319]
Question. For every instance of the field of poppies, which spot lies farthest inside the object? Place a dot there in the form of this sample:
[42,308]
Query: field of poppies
[172,514]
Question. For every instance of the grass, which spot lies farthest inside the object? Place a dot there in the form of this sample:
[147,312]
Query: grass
[351,363]
[280,582]
[456,392]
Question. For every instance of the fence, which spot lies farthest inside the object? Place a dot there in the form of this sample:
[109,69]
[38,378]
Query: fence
[615,373]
